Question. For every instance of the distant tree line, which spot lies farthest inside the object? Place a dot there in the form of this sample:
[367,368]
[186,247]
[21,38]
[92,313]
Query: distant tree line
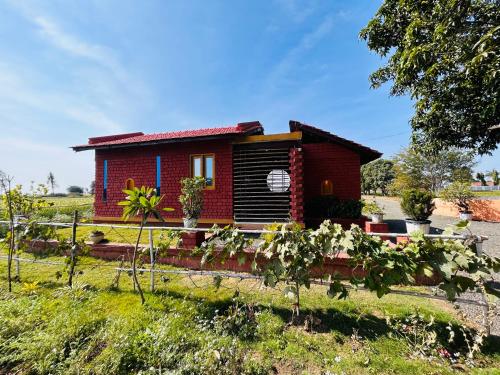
[412,169]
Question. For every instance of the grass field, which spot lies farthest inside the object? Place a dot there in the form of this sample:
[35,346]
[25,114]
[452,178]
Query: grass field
[188,327]
[495,193]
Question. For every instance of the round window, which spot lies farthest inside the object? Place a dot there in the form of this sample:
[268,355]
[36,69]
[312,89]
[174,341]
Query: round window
[278,181]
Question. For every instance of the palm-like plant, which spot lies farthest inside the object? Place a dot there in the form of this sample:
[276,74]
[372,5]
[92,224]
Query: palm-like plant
[143,203]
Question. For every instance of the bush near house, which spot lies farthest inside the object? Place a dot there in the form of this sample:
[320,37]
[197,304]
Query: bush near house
[330,207]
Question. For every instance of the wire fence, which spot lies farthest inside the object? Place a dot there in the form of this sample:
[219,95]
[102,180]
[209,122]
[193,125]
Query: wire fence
[114,268]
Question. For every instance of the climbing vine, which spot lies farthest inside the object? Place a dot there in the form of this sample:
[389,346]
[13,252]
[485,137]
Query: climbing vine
[292,255]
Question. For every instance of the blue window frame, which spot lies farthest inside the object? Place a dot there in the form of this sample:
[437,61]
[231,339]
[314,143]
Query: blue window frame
[158,175]
[105,181]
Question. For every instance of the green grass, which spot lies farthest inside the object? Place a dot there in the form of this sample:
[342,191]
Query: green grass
[112,234]
[495,193]
[47,328]
[71,201]
[67,205]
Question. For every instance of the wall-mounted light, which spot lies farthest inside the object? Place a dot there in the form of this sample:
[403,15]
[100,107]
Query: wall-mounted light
[326,187]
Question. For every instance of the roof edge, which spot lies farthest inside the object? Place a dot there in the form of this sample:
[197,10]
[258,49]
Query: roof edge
[367,154]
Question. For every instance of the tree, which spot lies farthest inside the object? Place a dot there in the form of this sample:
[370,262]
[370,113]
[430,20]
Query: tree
[51,181]
[446,56]
[73,189]
[92,188]
[19,206]
[143,203]
[415,170]
[377,176]
[494,176]
[480,177]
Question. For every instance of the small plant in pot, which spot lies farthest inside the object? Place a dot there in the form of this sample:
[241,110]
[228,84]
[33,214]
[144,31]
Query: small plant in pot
[417,205]
[191,200]
[460,194]
[375,211]
[96,236]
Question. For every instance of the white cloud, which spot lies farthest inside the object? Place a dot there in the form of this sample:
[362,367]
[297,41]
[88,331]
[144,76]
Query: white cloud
[293,57]
[20,95]
[297,10]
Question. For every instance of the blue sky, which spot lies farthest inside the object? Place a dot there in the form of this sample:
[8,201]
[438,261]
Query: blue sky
[70,70]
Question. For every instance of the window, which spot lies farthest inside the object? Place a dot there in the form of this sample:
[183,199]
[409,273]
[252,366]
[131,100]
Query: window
[204,166]
[278,181]
[105,181]
[129,184]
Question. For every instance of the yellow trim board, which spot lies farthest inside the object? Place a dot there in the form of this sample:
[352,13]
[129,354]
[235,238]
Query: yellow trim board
[293,136]
[166,220]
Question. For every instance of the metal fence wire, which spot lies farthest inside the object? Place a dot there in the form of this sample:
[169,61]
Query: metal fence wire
[200,279]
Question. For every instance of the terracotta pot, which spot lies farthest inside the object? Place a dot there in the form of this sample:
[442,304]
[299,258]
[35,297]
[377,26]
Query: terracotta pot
[415,225]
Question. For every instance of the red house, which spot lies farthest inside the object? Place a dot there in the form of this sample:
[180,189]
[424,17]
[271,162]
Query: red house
[252,178]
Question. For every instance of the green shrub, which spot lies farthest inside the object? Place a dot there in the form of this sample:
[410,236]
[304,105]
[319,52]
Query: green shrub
[458,193]
[417,204]
[191,198]
[329,207]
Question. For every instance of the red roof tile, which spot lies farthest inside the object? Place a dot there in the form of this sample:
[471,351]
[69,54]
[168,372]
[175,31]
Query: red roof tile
[118,140]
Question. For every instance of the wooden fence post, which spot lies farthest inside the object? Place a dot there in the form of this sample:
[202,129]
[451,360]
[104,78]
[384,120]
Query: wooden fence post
[73,249]
[151,260]
[16,254]
[116,281]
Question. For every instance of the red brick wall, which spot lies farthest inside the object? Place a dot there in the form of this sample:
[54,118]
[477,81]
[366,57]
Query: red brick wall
[297,185]
[334,162]
[140,164]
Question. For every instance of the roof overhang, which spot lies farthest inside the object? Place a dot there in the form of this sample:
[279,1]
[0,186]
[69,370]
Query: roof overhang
[311,133]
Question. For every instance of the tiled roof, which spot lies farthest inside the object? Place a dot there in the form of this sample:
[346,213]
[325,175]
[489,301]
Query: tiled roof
[366,153]
[120,140]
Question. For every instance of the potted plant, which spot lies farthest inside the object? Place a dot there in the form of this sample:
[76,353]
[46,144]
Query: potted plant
[375,211]
[96,236]
[417,205]
[191,200]
[460,194]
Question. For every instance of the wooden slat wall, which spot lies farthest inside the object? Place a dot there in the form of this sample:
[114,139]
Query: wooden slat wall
[253,201]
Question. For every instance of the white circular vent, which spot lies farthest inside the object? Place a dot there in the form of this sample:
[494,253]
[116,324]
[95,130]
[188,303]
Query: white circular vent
[278,181]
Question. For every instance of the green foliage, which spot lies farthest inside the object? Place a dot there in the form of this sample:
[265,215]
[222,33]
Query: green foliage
[330,207]
[51,329]
[446,56]
[26,205]
[289,255]
[417,204]
[425,339]
[494,177]
[238,320]
[416,170]
[372,207]
[480,177]
[191,198]
[458,193]
[377,176]
[142,202]
[73,189]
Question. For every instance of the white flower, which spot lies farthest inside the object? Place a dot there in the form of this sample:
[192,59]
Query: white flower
[337,359]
